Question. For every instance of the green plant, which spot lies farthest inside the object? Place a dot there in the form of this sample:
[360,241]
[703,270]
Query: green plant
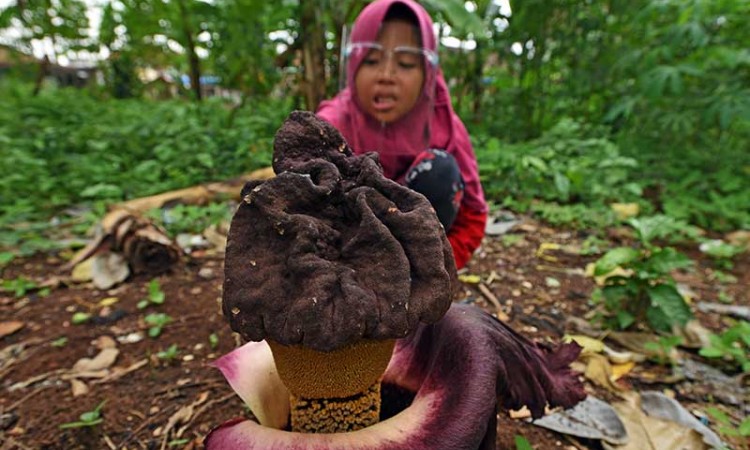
[723,277]
[511,240]
[157,322]
[59,342]
[643,291]
[103,151]
[87,419]
[726,428]
[213,340]
[724,297]
[18,286]
[155,295]
[593,245]
[721,252]
[663,228]
[522,443]
[170,354]
[567,176]
[662,349]
[732,345]
[191,218]
[6,258]
[80,317]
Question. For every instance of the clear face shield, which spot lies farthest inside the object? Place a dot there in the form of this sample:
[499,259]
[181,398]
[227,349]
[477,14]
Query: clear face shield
[377,57]
[393,81]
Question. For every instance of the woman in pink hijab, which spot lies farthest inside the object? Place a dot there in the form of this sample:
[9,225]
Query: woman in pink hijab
[396,103]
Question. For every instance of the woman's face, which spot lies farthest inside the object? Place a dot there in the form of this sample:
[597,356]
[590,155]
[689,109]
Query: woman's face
[389,84]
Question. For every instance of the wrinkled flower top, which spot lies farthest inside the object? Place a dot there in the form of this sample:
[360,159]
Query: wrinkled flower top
[330,251]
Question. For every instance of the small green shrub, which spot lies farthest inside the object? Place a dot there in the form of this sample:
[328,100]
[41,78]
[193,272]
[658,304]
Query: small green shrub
[157,322]
[87,419]
[644,291]
[733,345]
[170,354]
[191,218]
[155,295]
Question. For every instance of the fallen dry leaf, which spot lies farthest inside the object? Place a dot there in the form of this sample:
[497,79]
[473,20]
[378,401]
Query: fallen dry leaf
[103,342]
[109,301]
[642,343]
[650,433]
[103,360]
[740,238]
[8,328]
[599,370]
[108,269]
[78,387]
[659,405]
[469,278]
[82,271]
[541,252]
[693,334]
[591,419]
[589,344]
[620,370]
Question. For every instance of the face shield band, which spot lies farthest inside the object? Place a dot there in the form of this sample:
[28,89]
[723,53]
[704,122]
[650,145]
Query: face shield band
[401,59]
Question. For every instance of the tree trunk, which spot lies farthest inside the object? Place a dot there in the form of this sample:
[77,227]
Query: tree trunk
[313,53]
[477,82]
[43,70]
[195,67]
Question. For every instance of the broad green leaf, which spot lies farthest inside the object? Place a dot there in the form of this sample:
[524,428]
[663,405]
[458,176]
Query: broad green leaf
[624,319]
[744,428]
[522,443]
[102,190]
[614,258]
[711,352]
[458,16]
[652,227]
[658,319]
[718,415]
[664,260]
[666,298]
[562,183]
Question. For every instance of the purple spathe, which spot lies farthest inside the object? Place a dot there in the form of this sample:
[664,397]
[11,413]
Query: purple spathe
[461,368]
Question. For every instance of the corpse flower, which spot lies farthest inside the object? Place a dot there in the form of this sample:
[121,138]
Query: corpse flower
[445,383]
[343,276]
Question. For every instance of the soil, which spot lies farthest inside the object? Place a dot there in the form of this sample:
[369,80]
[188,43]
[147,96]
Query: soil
[539,286]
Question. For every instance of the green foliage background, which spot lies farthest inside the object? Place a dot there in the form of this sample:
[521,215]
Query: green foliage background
[572,105]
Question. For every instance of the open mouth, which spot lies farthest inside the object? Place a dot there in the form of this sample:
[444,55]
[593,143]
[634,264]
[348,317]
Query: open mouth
[384,103]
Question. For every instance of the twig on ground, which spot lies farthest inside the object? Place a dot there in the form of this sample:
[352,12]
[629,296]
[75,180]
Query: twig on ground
[140,427]
[36,379]
[109,442]
[486,293]
[119,374]
[184,386]
[202,409]
[7,360]
[26,397]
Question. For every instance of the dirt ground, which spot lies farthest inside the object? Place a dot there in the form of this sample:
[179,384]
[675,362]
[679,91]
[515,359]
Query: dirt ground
[156,403]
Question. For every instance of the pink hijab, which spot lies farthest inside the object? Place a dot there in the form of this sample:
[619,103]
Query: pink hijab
[432,123]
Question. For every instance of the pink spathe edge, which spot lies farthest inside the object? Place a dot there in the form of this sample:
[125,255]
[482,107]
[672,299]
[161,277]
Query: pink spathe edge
[251,372]
[461,369]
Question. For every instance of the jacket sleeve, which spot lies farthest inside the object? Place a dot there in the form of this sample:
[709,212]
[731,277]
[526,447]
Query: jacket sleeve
[466,234]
